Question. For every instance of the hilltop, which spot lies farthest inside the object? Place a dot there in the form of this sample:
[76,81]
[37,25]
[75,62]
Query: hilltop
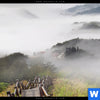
[83,47]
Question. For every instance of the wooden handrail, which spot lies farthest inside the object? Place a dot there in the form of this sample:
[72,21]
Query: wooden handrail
[43,86]
[46,94]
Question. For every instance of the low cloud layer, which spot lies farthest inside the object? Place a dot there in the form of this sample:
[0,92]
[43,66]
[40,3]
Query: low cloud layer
[72,66]
[32,28]
[88,25]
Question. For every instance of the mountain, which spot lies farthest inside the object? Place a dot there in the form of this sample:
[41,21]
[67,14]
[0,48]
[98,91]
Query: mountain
[12,67]
[93,25]
[77,57]
[27,14]
[78,48]
[7,61]
[85,9]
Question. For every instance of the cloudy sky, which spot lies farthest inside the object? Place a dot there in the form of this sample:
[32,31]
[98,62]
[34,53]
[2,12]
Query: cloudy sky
[30,28]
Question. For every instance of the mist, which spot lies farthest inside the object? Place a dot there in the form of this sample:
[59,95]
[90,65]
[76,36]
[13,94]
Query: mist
[84,66]
[35,28]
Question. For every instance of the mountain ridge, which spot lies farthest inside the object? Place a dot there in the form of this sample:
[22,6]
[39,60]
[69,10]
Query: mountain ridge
[86,47]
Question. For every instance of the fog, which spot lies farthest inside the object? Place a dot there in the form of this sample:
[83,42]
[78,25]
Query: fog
[84,66]
[29,28]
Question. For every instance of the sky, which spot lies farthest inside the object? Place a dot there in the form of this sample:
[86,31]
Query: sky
[29,28]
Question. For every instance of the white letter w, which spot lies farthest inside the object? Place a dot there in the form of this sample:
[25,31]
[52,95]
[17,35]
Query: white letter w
[94,93]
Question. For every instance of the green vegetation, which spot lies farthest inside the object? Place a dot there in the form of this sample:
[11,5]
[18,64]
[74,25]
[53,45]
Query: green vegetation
[72,84]
[23,67]
[65,87]
[19,66]
[8,88]
[3,86]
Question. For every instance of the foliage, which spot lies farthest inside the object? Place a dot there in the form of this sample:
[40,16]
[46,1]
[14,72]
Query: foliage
[17,66]
[3,86]
[66,87]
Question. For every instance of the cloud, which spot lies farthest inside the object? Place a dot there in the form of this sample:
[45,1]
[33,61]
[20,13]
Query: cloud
[85,9]
[91,25]
[88,25]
